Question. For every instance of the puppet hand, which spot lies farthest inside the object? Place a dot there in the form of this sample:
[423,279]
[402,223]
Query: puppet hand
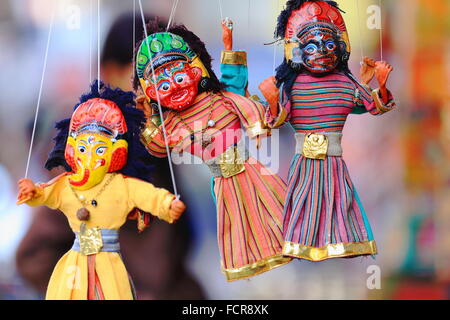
[27,191]
[176,209]
[270,91]
[142,104]
[227,34]
[367,70]
[382,71]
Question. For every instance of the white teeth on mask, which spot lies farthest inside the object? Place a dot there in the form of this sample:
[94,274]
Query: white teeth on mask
[97,165]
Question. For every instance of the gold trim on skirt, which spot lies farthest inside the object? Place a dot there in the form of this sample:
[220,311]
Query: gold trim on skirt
[332,250]
[256,268]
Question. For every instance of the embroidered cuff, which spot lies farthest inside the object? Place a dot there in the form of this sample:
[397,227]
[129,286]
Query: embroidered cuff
[381,107]
[233,57]
[275,122]
[149,132]
[165,208]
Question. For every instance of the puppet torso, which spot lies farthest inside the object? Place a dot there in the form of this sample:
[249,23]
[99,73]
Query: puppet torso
[110,213]
[225,131]
[321,103]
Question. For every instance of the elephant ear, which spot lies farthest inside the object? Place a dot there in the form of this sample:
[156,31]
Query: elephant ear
[119,156]
[69,153]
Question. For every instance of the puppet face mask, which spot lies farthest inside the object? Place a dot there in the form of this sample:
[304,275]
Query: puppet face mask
[316,37]
[92,157]
[178,70]
[177,85]
[319,51]
[93,148]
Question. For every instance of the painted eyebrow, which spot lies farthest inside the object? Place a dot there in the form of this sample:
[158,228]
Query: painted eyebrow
[100,142]
[84,142]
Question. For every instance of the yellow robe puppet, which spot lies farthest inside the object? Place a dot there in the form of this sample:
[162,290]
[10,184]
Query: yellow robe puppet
[100,148]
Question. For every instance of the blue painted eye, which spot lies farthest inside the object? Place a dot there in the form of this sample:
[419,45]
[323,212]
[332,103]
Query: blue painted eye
[81,149]
[101,150]
[330,45]
[310,48]
[179,78]
[165,86]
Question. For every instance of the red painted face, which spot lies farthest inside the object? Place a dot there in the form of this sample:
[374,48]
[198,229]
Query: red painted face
[177,85]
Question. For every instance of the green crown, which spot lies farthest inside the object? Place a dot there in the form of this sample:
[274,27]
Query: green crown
[161,48]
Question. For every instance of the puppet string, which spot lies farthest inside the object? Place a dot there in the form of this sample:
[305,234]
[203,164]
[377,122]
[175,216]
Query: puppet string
[381,32]
[90,41]
[359,29]
[98,45]
[172,175]
[40,91]
[134,27]
[248,20]
[172,14]
[221,10]
[275,44]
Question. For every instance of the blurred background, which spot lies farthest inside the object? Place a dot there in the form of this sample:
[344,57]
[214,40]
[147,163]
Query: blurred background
[399,162]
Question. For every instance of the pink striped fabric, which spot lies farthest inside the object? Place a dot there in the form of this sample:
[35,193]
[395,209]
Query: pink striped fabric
[249,209]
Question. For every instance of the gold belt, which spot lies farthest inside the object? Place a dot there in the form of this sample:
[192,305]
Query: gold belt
[229,163]
[319,145]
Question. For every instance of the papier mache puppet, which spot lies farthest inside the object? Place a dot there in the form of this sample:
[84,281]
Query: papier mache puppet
[203,119]
[323,216]
[100,148]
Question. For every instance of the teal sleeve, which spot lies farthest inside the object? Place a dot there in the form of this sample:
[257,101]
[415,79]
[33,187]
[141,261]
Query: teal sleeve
[235,77]
[233,66]
[358,110]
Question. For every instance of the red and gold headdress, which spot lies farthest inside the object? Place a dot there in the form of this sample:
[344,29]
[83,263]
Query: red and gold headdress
[98,115]
[303,16]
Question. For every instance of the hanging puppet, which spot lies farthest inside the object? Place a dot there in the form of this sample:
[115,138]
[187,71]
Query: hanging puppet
[202,118]
[100,148]
[323,216]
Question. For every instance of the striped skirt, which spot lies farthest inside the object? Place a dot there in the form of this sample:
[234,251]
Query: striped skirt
[249,213]
[323,216]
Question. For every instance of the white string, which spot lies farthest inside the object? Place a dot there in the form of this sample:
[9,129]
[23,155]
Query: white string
[172,14]
[248,20]
[220,9]
[90,41]
[98,45]
[159,107]
[359,30]
[381,32]
[275,45]
[40,91]
[274,57]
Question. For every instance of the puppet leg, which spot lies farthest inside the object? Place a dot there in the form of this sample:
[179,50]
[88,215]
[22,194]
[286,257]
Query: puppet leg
[249,212]
[323,217]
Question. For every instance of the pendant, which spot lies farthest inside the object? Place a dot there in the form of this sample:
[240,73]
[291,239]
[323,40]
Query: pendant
[192,137]
[83,214]
[94,203]
[211,123]
[206,140]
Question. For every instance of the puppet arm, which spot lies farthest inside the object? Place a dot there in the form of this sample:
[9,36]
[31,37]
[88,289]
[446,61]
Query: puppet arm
[277,113]
[250,113]
[160,202]
[40,194]
[376,101]
[233,64]
[153,138]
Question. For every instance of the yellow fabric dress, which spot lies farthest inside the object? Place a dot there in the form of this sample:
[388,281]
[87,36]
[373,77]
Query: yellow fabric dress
[69,280]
